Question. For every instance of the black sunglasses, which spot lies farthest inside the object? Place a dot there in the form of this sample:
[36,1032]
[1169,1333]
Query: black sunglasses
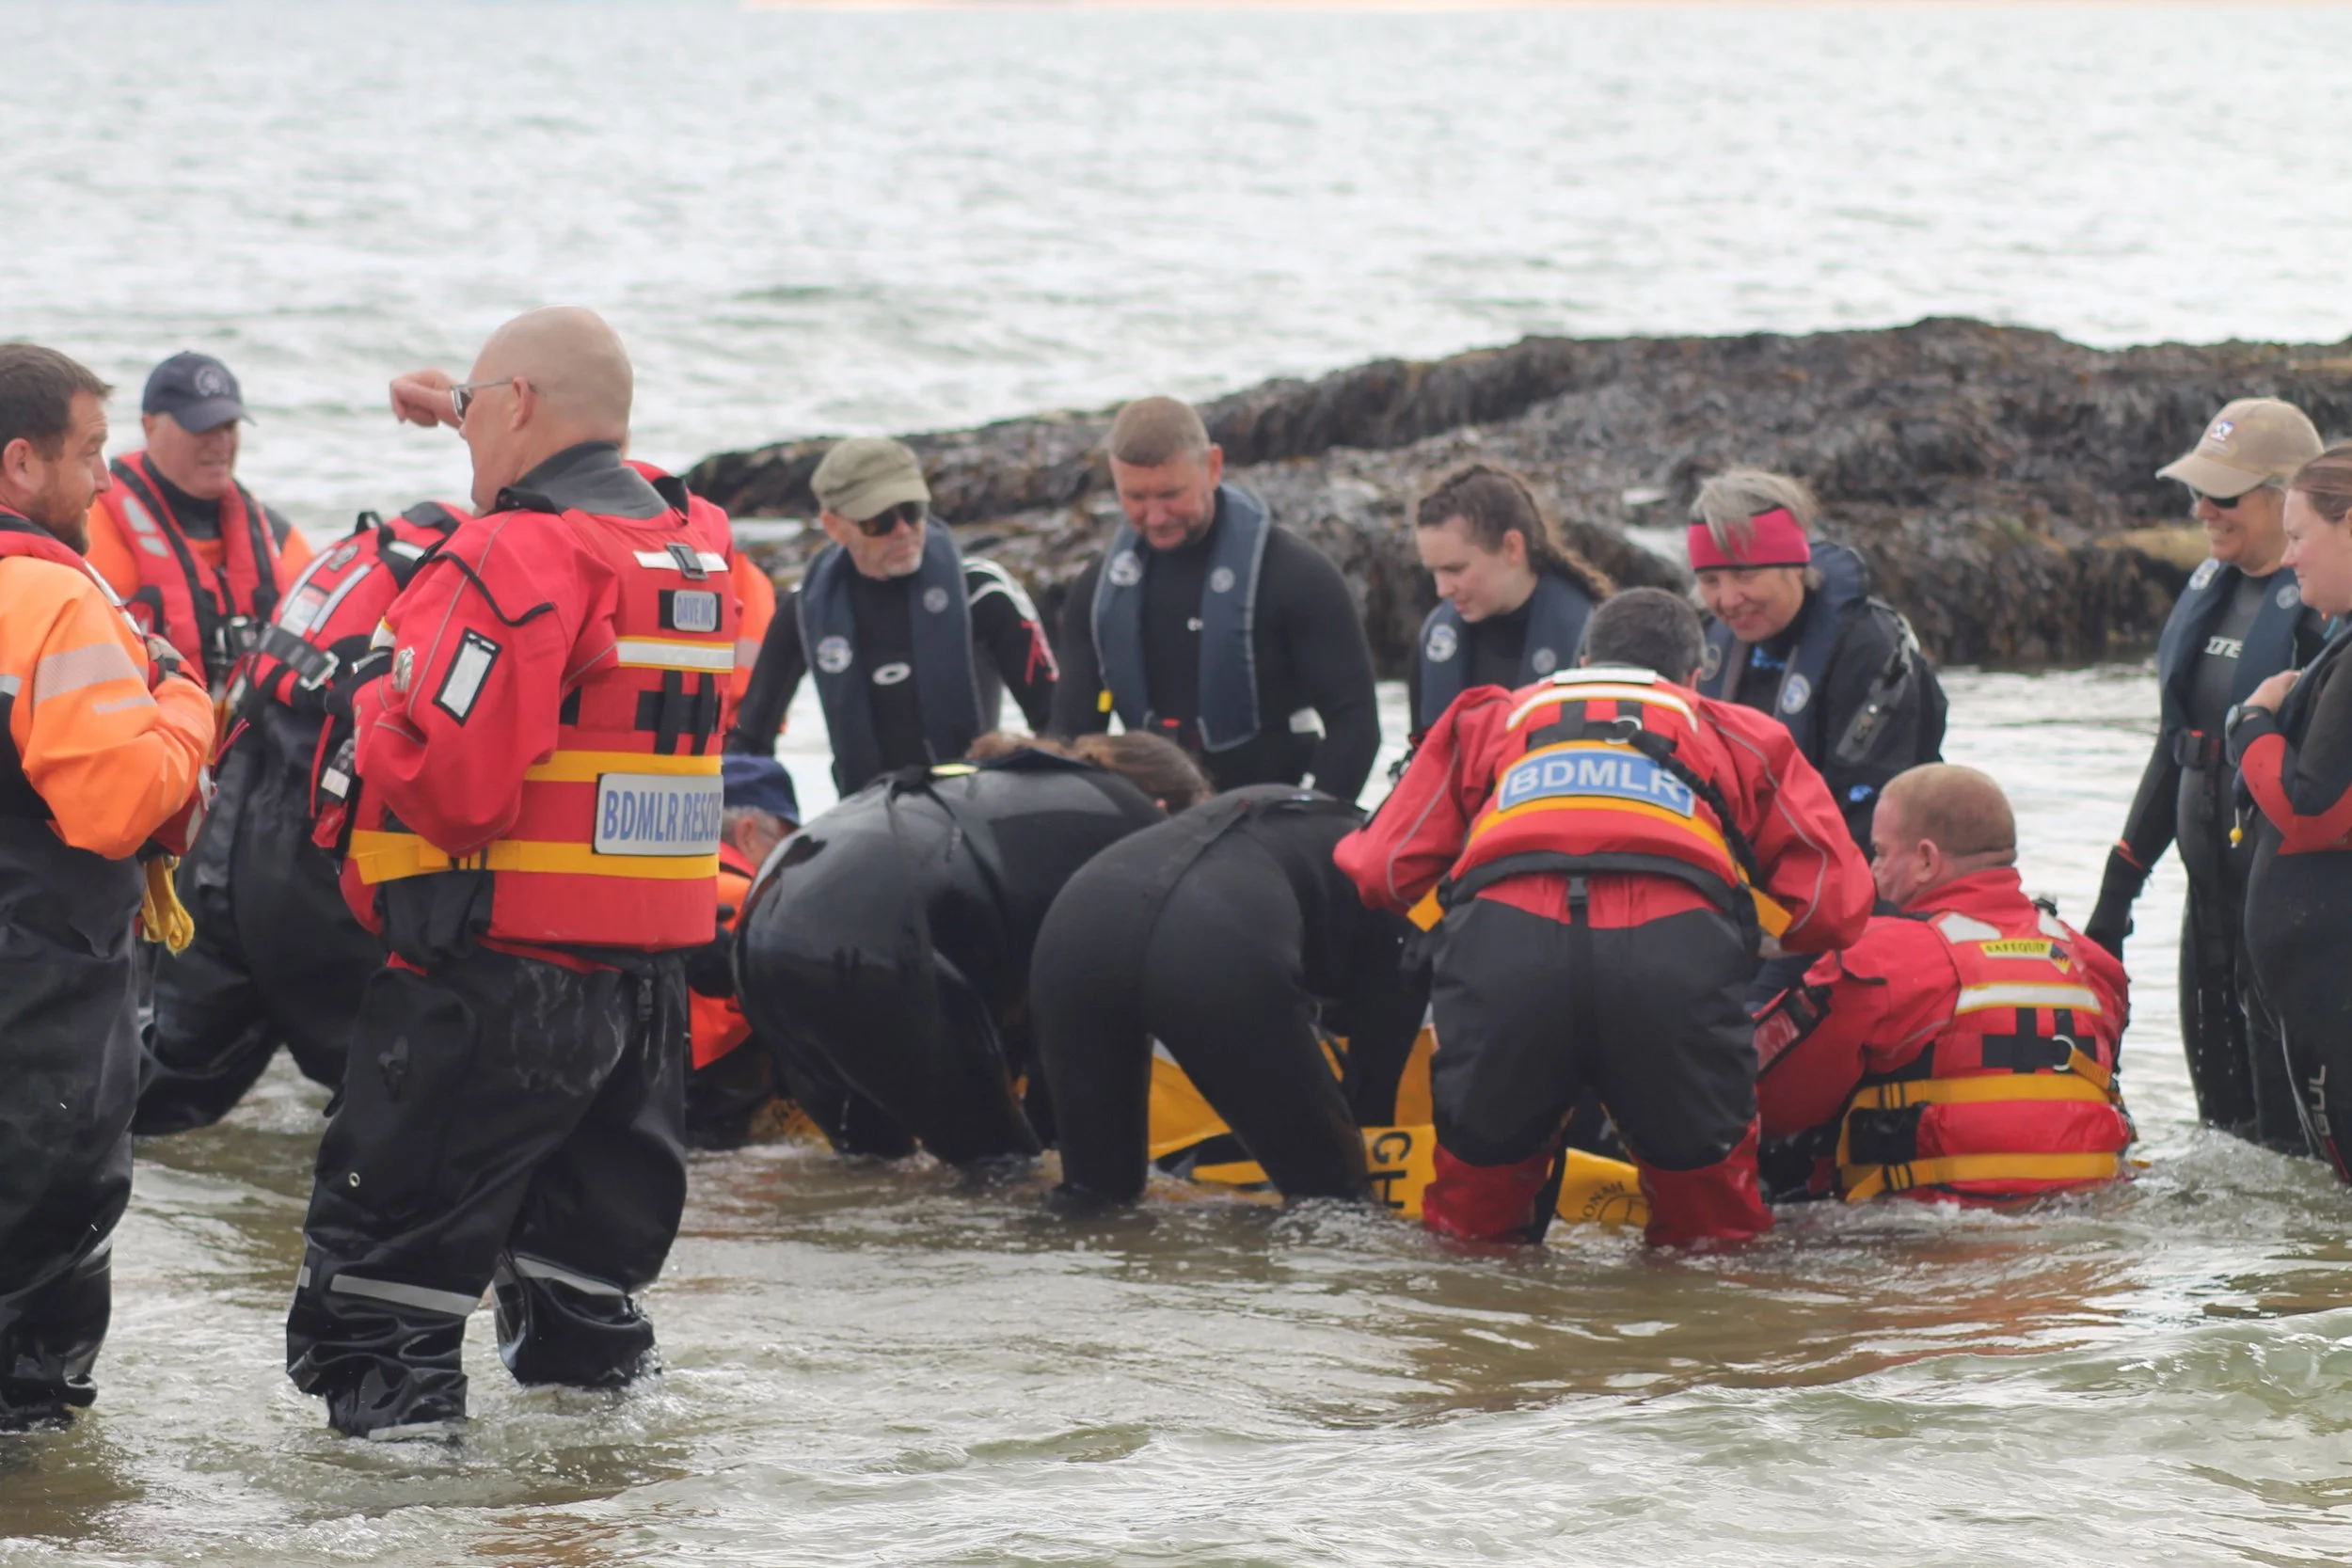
[884,524]
[2220,504]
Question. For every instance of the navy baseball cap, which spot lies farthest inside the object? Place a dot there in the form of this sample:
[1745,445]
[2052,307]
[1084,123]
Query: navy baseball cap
[760,784]
[196,390]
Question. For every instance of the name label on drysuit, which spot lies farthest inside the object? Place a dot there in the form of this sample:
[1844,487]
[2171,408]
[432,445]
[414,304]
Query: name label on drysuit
[1601,770]
[657,813]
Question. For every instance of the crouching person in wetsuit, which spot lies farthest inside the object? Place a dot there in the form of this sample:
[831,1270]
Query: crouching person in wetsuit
[1964,1050]
[1605,846]
[885,953]
[1795,633]
[536,834]
[733,1079]
[102,755]
[2290,741]
[2242,620]
[1512,599]
[279,955]
[1227,935]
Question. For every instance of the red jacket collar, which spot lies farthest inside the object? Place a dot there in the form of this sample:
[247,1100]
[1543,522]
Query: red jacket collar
[1999,891]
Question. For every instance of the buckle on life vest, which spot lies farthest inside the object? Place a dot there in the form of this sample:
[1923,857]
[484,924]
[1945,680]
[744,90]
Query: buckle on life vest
[1879,1136]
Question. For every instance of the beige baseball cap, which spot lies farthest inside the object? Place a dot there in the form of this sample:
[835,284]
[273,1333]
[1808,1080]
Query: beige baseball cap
[866,475]
[2250,442]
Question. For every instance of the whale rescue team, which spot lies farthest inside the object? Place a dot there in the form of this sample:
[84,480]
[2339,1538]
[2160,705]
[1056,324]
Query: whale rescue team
[476,811]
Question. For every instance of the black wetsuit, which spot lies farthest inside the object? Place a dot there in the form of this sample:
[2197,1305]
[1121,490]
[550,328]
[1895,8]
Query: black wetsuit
[278,957]
[1495,648]
[884,954]
[1309,651]
[2298,893]
[2235,1062]
[1012,655]
[1227,935]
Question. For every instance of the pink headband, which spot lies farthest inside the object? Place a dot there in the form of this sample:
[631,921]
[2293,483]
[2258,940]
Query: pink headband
[1775,539]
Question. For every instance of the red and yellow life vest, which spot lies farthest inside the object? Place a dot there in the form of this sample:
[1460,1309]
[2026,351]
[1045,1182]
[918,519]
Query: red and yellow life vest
[206,612]
[719,1023]
[2016,1097]
[331,611]
[1579,794]
[617,843]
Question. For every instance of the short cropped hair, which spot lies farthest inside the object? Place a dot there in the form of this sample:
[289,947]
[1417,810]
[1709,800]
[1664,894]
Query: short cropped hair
[37,391]
[1959,809]
[1647,628]
[1151,430]
[1727,502]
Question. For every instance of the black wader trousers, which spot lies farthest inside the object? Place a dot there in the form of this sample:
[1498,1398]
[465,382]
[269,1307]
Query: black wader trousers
[68,1075]
[505,1121]
[278,956]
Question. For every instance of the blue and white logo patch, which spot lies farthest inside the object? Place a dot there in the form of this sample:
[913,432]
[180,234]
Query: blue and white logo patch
[934,598]
[1794,693]
[1711,662]
[1543,662]
[1441,644]
[1608,773]
[2204,573]
[833,654]
[1126,569]
[1221,581]
[659,813]
[694,609]
[2290,594]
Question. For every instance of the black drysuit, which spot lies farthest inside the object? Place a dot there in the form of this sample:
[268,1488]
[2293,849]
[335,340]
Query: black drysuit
[885,951]
[2228,634]
[1227,935]
[2299,892]
[278,956]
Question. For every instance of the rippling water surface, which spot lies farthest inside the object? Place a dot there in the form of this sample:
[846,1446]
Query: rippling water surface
[820,221]
[807,221]
[879,1365]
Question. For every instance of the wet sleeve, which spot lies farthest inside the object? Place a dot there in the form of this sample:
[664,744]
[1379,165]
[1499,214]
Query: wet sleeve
[2304,788]
[487,638]
[1007,630]
[1875,1007]
[776,676]
[2148,830]
[1415,837]
[1078,695]
[1380,1014]
[114,761]
[1811,867]
[1324,635]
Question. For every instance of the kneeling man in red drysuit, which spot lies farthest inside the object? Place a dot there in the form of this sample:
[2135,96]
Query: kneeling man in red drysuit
[1610,849]
[1965,1049]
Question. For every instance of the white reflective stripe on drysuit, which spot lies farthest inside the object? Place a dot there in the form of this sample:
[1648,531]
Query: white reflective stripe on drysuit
[651,653]
[1977,998]
[69,671]
[12,685]
[536,1268]
[429,1299]
[663,559]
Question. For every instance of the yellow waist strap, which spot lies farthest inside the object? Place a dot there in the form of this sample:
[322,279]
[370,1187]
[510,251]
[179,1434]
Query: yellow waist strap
[1989,1089]
[383,857]
[1868,1182]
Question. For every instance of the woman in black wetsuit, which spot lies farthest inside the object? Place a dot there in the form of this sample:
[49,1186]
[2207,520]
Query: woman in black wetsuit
[884,952]
[1229,936]
[1511,599]
[2292,742]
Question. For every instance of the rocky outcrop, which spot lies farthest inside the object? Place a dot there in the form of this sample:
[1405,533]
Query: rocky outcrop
[2001,481]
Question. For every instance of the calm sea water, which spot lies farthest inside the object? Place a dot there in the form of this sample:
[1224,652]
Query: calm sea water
[809,221]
